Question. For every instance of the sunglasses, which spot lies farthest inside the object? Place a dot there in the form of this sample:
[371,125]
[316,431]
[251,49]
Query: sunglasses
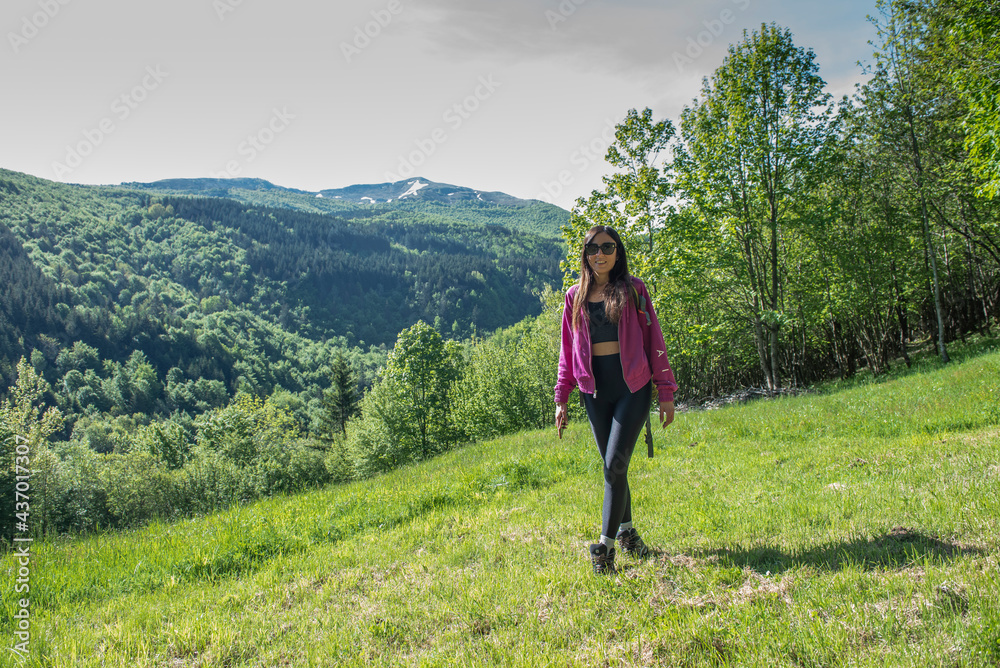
[608,247]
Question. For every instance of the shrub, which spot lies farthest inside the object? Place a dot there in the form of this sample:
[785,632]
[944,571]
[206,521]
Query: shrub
[138,489]
[380,440]
[338,460]
[69,484]
[509,382]
[288,467]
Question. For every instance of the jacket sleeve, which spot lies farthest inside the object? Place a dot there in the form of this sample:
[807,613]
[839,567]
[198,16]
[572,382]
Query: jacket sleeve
[565,380]
[656,353]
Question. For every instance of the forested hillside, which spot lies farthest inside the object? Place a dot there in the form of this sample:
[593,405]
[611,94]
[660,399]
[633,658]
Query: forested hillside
[214,296]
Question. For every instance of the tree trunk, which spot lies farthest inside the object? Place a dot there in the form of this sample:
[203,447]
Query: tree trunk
[927,233]
[937,284]
[765,365]
[901,317]
[776,326]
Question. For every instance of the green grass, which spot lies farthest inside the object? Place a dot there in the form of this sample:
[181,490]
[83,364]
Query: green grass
[855,527]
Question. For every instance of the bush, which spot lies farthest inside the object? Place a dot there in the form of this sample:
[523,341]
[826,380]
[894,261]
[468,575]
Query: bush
[207,482]
[380,440]
[289,467]
[509,382]
[138,489]
[338,460]
[168,441]
[243,429]
[70,485]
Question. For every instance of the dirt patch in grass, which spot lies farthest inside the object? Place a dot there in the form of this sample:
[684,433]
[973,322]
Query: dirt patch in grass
[757,586]
[754,587]
[682,561]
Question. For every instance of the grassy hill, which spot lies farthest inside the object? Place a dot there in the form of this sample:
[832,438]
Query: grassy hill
[854,527]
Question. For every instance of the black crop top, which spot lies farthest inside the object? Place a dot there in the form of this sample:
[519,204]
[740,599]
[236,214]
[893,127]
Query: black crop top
[601,329]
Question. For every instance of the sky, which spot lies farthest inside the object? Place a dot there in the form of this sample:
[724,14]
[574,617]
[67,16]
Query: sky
[519,96]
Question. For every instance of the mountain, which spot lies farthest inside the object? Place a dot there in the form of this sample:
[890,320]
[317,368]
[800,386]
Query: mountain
[423,190]
[204,296]
[417,195]
[209,187]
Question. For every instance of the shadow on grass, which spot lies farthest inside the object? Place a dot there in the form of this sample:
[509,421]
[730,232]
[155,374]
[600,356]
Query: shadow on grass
[899,548]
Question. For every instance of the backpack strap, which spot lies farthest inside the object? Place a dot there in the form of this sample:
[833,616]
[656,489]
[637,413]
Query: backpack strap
[640,304]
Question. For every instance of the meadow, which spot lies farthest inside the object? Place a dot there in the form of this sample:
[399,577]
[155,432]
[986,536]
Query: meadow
[852,526]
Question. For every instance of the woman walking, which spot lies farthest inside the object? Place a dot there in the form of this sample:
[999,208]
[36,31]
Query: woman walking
[612,347]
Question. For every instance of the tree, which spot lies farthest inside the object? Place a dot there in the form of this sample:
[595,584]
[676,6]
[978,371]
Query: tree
[969,52]
[753,148]
[407,415]
[425,366]
[340,401]
[634,199]
[900,96]
[24,431]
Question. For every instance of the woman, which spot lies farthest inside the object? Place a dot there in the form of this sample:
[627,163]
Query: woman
[612,347]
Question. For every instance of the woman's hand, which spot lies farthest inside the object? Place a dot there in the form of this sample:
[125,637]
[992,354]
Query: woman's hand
[562,418]
[666,412]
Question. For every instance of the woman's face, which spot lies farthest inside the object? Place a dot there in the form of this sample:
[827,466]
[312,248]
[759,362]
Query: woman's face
[600,263]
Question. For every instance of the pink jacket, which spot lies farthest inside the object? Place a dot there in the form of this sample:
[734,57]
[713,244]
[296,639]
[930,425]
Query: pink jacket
[643,353]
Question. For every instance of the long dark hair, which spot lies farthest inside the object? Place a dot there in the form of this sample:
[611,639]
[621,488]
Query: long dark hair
[616,291]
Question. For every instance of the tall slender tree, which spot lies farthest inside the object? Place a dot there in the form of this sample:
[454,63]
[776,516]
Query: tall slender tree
[752,148]
[340,401]
[634,199]
[900,96]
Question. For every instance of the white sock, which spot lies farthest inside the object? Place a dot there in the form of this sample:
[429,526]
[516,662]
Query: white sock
[624,526]
[610,542]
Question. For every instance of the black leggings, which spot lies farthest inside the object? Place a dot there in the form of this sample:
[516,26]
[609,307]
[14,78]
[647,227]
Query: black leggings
[616,417]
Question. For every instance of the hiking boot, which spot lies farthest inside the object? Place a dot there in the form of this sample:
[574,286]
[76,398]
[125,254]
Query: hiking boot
[603,559]
[631,543]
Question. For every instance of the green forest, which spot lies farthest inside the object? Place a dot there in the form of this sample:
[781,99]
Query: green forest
[145,316]
[167,352]
[789,237]
[109,272]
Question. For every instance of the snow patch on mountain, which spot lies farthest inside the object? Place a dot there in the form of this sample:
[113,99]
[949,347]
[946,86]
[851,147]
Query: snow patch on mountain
[415,187]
